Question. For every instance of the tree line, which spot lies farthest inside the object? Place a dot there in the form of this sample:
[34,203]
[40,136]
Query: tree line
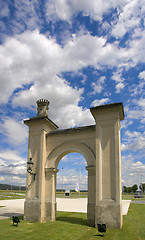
[133,188]
[11,187]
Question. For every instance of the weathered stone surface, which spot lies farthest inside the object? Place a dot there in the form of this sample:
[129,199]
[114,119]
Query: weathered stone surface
[91,214]
[50,211]
[99,144]
[110,213]
[33,211]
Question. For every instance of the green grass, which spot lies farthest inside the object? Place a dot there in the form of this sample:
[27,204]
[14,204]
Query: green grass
[133,225]
[73,226]
[72,195]
[130,196]
[7,194]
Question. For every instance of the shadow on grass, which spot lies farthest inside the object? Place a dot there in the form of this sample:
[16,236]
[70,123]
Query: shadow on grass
[99,235]
[9,215]
[72,220]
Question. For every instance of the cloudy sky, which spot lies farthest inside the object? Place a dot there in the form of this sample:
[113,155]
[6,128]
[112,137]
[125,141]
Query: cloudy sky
[77,54]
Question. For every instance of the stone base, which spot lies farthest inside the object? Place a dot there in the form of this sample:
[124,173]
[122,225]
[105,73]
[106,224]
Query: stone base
[33,210]
[36,211]
[108,212]
[50,211]
[91,214]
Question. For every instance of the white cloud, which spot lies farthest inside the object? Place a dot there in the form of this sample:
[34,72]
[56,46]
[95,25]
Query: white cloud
[143,120]
[65,159]
[2,162]
[12,167]
[98,102]
[126,123]
[136,49]
[133,141]
[129,18]
[27,15]
[135,114]
[138,88]
[27,61]
[99,85]
[133,171]
[119,81]
[70,179]
[83,51]
[142,75]
[2,179]
[33,63]
[87,50]
[137,111]
[119,87]
[31,58]
[65,9]
[13,172]
[16,132]
[141,103]
[11,156]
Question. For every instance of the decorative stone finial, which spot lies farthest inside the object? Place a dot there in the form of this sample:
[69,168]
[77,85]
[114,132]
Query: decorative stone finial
[42,108]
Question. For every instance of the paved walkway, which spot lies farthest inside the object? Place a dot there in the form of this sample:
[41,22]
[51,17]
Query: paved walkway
[138,202]
[16,207]
[125,206]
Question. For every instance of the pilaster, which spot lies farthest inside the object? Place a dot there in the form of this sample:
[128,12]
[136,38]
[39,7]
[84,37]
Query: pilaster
[50,194]
[108,164]
[34,207]
[35,189]
[91,195]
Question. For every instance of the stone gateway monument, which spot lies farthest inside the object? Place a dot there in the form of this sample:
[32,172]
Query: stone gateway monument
[99,144]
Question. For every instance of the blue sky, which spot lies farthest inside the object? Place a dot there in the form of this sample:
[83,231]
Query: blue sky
[77,54]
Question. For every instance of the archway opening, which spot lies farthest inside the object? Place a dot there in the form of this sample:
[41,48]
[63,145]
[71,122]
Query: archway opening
[72,183]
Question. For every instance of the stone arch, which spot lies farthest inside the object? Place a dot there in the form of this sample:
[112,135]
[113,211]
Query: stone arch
[68,147]
[51,170]
[99,144]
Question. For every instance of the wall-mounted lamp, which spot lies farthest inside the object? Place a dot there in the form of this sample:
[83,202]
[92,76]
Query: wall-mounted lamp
[29,168]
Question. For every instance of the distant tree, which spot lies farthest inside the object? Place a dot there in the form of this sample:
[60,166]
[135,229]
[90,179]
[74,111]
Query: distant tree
[134,188]
[142,187]
[129,189]
[124,189]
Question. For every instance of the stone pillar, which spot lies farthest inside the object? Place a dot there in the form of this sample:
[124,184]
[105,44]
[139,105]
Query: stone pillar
[34,206]
[35,189]
[91,195]
[50,194]
[108,164]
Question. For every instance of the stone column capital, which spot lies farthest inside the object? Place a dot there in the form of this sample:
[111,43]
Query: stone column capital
[91,170]
[108,112]
[51,170]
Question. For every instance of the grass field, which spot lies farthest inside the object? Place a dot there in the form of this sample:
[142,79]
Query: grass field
[7,194]
[130,196]
[72,195]
[73,226]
